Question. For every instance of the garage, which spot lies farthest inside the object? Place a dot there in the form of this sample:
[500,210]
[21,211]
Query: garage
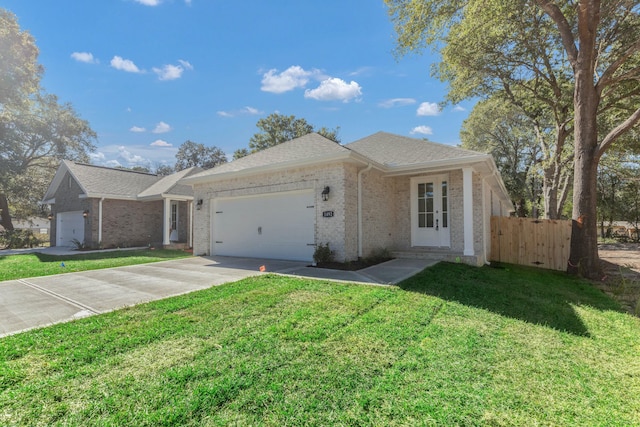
[275,226]
[69,226]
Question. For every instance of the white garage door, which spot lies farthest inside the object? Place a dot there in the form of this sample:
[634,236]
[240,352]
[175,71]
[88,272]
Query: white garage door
[276,226]
[69,226]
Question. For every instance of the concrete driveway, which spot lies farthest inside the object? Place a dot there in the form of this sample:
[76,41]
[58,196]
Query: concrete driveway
[41,301]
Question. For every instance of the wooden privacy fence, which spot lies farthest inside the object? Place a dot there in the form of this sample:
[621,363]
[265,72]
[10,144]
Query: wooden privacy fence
[527,241]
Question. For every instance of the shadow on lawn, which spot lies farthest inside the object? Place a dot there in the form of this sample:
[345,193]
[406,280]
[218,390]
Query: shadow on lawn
[80,256]
[532,295]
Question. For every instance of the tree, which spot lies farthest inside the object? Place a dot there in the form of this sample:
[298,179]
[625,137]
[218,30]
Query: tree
[278,128]
[19,70]
[35,135]
[240,153]
[193,154]
[587,52]
[163,170]
[495,127]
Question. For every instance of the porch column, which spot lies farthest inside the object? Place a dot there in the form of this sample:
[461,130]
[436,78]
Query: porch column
[166,222]
[467,207]
[190,242]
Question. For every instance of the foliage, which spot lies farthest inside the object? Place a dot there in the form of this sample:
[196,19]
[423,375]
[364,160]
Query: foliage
[20,72]
[240,153]
[278,128]
[78,245]
[323,254]
[17,239]
[192,154]
[35,265]
[164,170]
[454,345]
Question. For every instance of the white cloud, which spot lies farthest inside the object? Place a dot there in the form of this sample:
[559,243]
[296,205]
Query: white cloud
[425,130]
[160,143]
[335,89]
[124,64]
[172,72]
[161,127]
[187,2]
[428,109]
[86,57]
[291,78]
[396,102]
[131,159]
[137,129]
[97,158]
[244,111]
[149,2]
[459,108]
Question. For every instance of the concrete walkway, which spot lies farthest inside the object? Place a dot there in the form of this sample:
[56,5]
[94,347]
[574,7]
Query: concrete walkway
[41,301]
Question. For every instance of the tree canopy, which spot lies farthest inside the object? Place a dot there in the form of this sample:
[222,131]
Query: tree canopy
[192,154]
[278,128]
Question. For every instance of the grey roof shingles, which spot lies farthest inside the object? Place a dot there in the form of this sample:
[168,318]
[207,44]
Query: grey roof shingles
[103,181]
[397,151]
[309,146]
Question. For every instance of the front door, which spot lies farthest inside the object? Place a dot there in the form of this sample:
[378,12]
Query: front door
[430,212]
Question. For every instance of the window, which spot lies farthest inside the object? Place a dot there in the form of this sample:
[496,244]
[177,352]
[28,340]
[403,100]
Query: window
[174,216]
[425,205]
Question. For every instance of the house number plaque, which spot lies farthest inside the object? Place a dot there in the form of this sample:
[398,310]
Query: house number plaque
[327,214]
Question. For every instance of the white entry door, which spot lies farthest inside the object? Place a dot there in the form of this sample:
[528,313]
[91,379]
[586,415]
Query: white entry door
[430,211]
[276,226]
[69,226]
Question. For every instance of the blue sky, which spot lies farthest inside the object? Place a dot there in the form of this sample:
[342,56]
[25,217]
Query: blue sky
[150,74]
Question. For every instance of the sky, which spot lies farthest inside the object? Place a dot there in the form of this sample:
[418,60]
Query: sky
[149,75]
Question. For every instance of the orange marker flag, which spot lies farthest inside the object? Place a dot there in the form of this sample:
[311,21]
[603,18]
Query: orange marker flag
[263,268]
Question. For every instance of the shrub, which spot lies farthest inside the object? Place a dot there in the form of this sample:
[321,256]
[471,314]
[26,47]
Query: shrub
[323,253]
[16,239]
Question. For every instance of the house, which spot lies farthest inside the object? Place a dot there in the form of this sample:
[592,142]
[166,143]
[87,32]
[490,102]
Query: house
[34,224]
[106,208]
[413,197]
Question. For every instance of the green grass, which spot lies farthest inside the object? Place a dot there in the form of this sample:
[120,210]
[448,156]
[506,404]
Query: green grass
[454,345]
[36,264]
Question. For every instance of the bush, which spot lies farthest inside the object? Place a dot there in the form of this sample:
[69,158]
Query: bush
[323,253]
[17,239]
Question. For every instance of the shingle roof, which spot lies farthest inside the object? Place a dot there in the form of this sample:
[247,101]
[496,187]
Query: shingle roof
[397,151]
[309,146]
[99,180]
[169,185]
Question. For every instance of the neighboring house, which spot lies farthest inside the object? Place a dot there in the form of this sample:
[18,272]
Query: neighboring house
[105,208]
[409,196]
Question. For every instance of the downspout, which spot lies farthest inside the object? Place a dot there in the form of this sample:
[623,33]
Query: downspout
[100,221]
[360,172]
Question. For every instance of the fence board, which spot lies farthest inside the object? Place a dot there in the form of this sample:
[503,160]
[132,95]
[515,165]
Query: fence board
[527,241]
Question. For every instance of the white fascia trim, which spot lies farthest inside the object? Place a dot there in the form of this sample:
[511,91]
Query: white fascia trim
[106,196]
[177,197]
[49,201]
[277,167]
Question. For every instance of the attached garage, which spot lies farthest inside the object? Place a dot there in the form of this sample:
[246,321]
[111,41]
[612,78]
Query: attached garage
[69,226]
[275,225]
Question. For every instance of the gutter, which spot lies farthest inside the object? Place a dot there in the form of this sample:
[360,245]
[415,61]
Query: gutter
[360,172]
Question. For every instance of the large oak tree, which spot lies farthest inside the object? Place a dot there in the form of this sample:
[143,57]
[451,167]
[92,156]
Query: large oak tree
[587,51]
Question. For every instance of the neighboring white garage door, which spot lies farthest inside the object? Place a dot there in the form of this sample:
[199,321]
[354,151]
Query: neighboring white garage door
[276,226]
[69,226]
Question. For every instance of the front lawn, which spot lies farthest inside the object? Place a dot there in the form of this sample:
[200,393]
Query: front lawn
[36,264]
[454,345]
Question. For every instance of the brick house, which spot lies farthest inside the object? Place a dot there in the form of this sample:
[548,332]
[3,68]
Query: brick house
[412,197]
[106,208]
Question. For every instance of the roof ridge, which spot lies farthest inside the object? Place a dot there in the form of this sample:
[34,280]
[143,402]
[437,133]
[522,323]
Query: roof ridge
[111,168]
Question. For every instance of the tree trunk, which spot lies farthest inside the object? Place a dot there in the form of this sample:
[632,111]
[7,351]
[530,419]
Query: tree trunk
[583,258]
[5,218]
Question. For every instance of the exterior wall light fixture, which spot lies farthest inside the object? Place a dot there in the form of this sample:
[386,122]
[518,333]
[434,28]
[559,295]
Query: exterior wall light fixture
[325,193]
[199,204]
[50,216]
[85,214]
